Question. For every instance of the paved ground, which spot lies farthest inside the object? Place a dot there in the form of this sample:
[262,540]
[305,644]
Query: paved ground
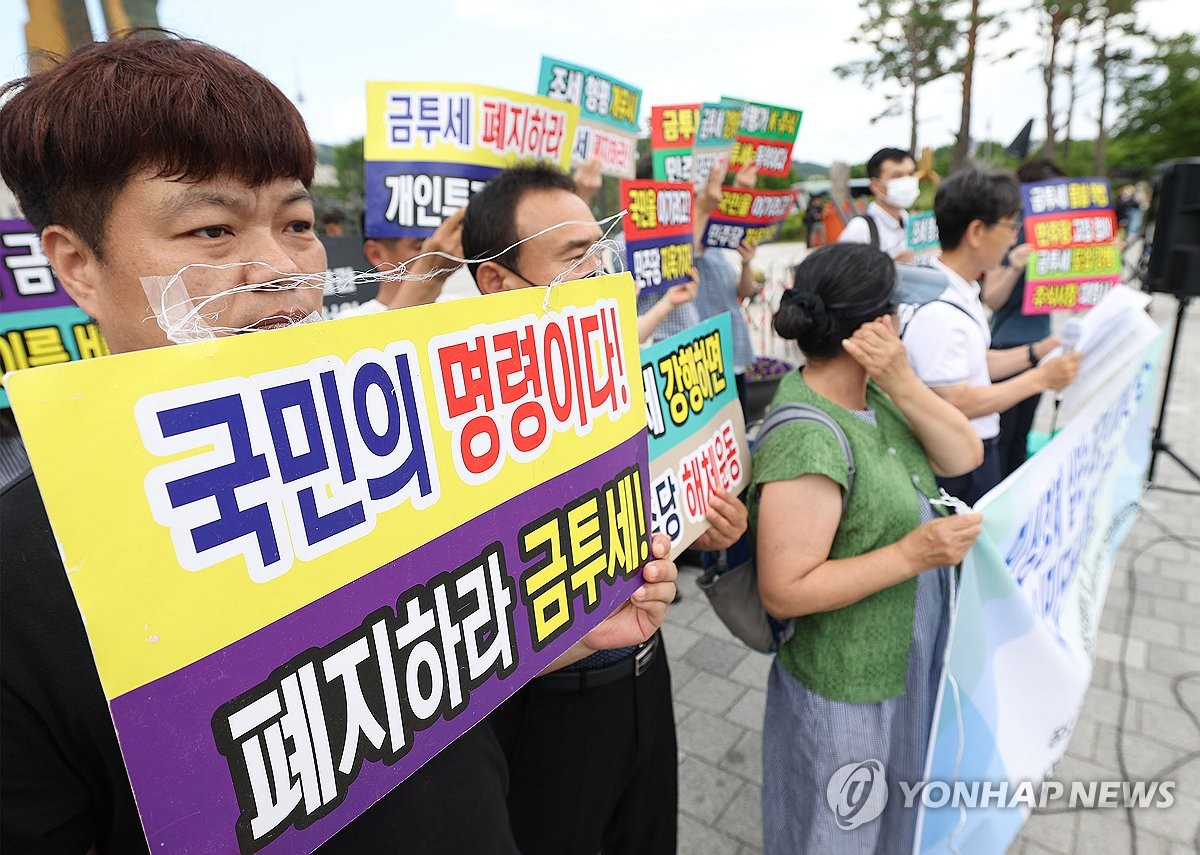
[1146,715]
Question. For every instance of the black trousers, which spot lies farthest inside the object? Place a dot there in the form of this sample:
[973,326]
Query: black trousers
[971,487]
[1015,424]
[593,770]
[453,805]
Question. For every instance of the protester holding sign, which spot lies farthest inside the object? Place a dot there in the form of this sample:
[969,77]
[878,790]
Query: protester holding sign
[859,676]
[1003,291]
[591,748]
[211,166]
[948,340]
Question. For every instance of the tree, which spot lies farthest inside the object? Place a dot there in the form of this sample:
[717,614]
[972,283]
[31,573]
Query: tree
[1056,15]
[1160,107]
[913,44]
[977,25]
[351,173]
[962,140]
[1079,27]
[1116,17]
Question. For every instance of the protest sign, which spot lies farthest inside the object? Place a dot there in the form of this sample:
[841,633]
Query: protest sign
[672,136]
[715,136]
[327,551]
[697,433]
[756,215]
[1072,227]
[688,141]
[39,323]
[608,114]
[431,146]
[921,233]
[1111,336]
[658,233]
[765,138]
[1023,638]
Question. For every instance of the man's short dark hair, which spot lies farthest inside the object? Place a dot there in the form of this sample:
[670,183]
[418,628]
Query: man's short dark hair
[72,137]
[973,194]
[490,224]
[896,155]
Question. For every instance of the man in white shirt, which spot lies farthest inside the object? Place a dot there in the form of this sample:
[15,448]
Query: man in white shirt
[892,172]
[948,339]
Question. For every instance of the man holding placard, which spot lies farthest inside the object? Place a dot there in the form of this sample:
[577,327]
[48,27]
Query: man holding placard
[592,752]
[208,171]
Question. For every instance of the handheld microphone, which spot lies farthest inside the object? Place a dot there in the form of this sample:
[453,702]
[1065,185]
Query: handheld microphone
[1072,332]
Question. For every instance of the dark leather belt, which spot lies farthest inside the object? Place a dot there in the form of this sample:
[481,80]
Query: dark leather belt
[635,664]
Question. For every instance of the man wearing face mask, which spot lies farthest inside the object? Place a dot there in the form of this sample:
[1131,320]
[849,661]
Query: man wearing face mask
[894,183]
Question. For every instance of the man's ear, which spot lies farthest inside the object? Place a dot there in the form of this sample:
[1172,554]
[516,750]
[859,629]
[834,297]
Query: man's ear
[373,251]
[489,277]
[974,232]
[75,264]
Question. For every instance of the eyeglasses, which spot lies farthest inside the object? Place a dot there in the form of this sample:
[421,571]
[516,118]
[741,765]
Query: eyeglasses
[1015,225]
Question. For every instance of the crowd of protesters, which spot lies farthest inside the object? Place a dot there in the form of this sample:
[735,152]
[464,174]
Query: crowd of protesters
[136,156]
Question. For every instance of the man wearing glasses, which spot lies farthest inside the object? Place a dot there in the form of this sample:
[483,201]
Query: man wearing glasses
[591,748]
[948,340]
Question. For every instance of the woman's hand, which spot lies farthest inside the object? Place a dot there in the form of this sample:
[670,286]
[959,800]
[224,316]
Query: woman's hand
[876,347]
[684,292]
[941,542]
[727,517]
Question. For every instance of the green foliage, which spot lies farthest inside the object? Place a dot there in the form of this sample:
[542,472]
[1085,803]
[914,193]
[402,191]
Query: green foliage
[912,43]
[348,161]
[794,228]
[1160,107]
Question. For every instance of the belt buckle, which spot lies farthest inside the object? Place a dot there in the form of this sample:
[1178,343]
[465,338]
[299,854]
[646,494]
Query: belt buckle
[644,656]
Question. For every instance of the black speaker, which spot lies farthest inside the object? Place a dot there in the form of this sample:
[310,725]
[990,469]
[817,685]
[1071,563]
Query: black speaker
[1173,229]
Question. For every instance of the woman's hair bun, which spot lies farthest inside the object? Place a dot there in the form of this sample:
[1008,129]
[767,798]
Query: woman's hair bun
[803,318]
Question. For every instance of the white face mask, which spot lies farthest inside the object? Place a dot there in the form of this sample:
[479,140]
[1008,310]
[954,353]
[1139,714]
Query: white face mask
[902,192]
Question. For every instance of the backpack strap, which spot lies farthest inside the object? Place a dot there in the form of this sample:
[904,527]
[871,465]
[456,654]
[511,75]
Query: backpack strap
[872,227]
[912,314]
[787,414]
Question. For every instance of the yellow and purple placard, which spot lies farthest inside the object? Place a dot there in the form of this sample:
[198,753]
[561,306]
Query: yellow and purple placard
[689,141]
[756,215]
[697,432]
[327,551]
[1072,227]
[658,232]
[39,324]
[608,114]
[431,146]
[766,136]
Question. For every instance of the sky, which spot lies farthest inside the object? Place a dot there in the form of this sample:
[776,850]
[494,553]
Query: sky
[774,51]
